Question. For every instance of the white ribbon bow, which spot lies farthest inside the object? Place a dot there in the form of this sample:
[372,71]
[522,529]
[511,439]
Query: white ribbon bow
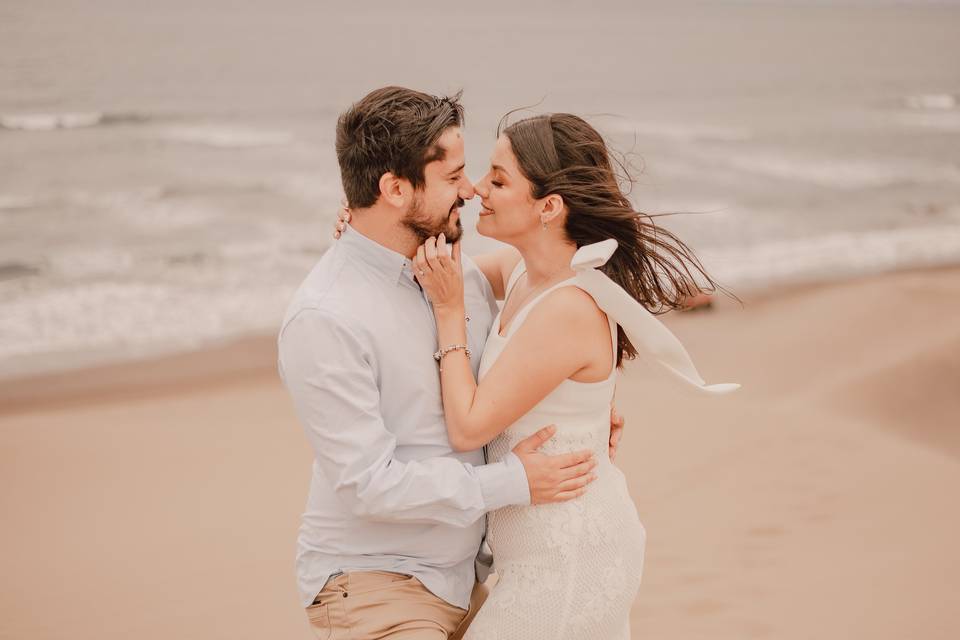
[653,341]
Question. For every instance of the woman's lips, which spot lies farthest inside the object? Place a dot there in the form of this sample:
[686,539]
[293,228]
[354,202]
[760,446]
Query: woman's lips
[484,211]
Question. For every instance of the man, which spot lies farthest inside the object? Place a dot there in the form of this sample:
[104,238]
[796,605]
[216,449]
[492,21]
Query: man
[394,519]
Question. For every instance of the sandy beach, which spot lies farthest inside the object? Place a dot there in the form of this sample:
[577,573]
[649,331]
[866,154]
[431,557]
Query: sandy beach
[168,176]
[161,499]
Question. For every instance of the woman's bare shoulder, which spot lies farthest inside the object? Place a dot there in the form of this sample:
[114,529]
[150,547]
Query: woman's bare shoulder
[568,311]
[497,267]
[508,259]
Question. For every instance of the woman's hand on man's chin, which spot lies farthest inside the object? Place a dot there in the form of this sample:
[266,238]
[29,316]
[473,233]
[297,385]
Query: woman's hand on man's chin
[438,269]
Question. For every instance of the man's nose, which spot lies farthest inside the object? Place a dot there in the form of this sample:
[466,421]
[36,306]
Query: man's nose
[467,190]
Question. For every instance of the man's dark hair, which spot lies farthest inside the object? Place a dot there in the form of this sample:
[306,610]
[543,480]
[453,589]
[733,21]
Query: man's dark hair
[394,130]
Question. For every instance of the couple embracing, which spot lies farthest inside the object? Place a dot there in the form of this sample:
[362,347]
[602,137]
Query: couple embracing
[451,438]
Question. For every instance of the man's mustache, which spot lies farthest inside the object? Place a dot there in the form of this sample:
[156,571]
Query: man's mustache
[459,203]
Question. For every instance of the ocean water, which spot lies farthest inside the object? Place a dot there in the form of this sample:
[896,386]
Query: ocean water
[167,174]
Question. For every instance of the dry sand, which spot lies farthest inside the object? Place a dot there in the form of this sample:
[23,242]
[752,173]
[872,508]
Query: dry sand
[161,499]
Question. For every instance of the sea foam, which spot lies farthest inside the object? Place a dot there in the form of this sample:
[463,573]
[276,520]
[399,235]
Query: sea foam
[833,256]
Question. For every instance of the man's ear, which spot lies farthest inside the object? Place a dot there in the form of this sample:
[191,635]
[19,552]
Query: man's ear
[551,208]
[395,191]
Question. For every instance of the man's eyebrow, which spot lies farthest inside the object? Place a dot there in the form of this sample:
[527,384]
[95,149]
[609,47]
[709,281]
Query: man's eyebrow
[434,154]
[458,169]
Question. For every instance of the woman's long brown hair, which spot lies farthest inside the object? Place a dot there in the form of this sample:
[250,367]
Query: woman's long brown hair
[562,154]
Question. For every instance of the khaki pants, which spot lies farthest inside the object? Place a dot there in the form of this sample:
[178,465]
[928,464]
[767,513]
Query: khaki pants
[370,605]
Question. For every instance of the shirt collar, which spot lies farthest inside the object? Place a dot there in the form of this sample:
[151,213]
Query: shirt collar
[393,266]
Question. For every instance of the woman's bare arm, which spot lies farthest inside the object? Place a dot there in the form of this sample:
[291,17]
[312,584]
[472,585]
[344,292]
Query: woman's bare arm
[565,334]
[528,370]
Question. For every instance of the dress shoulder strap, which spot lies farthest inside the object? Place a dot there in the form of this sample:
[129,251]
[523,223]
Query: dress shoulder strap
[518,271]
[521,315]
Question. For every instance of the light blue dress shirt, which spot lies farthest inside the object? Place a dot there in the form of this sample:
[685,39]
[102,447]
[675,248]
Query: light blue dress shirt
[387,492]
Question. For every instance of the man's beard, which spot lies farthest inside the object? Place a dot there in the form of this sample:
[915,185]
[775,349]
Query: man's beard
[423,227]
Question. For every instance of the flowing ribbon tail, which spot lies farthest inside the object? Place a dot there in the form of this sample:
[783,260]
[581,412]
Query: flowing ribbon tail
[652,339]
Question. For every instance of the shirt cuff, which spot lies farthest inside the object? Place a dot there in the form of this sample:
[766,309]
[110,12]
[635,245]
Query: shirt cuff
[504,483]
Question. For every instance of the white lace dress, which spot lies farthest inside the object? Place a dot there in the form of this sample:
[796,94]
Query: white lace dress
[571,571]
[568,570]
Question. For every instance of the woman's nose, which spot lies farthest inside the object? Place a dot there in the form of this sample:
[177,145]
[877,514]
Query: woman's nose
[480,189]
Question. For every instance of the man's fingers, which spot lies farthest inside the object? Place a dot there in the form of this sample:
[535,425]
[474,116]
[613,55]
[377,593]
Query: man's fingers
[535,441]
[615,434]
[581,469]
[576,483]
[615,418]
[573,459]
[569,495]
[455,254]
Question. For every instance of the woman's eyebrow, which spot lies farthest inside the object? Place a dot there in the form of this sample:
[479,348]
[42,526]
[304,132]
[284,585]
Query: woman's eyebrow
[497,167]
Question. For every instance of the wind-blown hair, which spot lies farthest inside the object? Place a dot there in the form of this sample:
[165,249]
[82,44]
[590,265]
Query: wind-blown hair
[562,154]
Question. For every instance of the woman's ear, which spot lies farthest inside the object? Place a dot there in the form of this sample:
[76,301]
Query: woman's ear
[551,208]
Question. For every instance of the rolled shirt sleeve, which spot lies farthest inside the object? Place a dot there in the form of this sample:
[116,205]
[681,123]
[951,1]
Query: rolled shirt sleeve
[331,377]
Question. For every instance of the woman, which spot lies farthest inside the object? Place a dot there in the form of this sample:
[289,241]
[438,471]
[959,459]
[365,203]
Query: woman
[584,274]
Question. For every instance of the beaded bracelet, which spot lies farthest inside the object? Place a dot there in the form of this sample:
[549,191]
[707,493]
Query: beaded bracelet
[438,356]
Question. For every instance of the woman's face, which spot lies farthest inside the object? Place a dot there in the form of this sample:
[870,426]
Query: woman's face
[507,208]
